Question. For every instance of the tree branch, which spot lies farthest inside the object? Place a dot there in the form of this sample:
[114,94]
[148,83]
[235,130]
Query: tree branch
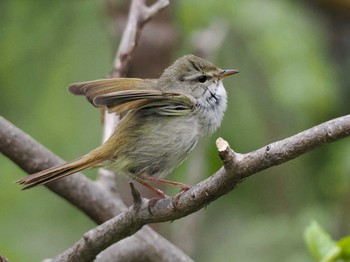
[77,189]
[137,248]
[90,197]
[206,42]
[139,14]
[236,168]
[97,202]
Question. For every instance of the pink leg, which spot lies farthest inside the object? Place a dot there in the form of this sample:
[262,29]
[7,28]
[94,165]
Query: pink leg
[183,187]
[159,192]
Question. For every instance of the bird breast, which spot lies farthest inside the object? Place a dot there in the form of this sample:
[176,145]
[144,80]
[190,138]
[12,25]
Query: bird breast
[211,108]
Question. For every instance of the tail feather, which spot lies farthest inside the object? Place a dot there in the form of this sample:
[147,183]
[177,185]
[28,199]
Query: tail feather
[57,172]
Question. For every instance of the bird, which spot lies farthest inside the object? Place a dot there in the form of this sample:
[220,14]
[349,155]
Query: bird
[162,120]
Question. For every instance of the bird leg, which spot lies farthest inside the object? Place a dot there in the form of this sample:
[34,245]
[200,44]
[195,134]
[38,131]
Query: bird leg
[183,187]
[141,179]
[176,198]
[159,192]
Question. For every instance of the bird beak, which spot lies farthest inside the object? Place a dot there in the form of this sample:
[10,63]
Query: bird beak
[227,72]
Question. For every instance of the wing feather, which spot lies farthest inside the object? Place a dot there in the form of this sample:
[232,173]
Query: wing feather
[100,87]
[159,102]
[120,95]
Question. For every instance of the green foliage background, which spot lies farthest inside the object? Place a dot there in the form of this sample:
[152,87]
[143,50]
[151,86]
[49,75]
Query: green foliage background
[287,83]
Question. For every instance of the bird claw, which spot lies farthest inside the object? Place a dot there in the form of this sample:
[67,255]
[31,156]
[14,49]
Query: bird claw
[175,199]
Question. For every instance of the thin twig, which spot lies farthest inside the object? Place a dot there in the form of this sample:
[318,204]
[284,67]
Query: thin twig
[139,14]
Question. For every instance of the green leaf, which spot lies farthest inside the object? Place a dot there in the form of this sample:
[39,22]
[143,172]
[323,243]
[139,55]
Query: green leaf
[320,244]
[344,245]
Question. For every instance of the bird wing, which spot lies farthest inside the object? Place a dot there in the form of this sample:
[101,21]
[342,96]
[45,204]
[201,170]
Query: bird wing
[155,101]
[120,95]
[100,87]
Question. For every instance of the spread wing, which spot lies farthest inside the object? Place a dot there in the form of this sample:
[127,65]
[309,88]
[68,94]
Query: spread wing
[123,94]
[99,87]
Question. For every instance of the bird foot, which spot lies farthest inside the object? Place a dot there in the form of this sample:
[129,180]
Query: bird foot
[175,199]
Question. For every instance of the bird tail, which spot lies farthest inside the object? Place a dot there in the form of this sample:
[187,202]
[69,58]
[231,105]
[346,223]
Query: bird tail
[57,172]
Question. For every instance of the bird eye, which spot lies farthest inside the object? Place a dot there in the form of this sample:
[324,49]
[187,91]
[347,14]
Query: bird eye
[202,78]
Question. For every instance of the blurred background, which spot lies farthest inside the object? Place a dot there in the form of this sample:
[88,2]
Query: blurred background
[294,62]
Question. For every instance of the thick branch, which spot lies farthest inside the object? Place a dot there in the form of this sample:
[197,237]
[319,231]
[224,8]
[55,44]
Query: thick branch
[138,248]
[287,149]
[236,168]
[76,189]
[88,196]
[97,240]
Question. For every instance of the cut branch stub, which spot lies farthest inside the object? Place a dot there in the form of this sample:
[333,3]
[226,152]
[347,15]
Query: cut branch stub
[229,158]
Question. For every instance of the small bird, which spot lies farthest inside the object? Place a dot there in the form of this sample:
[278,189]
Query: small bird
[162,121]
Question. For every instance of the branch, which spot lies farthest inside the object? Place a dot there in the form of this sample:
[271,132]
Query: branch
[236,168]
[139,14]
[77,189]
[97,240]
[90,197]
[97,202]
[206,42]
[137,248]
